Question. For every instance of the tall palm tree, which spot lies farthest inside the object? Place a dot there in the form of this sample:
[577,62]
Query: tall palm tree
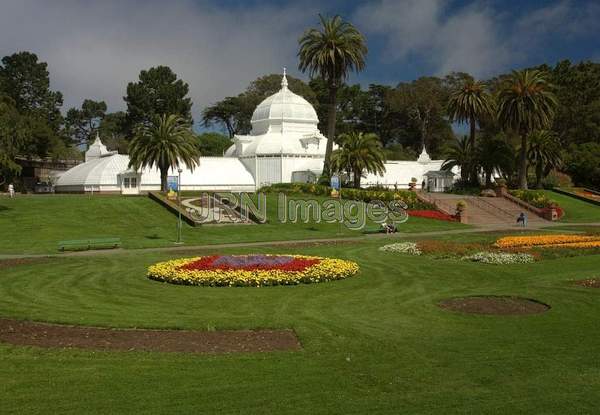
[544,153]
[526,103]
[460,155]
[358,153]
[494,154]
[471,103]
[332,52]
[165,142]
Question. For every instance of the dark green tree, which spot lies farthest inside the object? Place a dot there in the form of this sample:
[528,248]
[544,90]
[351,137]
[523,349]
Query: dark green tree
[494,154]
[213,144]
[526,103]
[359,153]
[234,113]
[470,102]
[113,130]
[419,109]
[582,162]
[544,153]
[81,124]
[157,92]
[459,154]
[26,81]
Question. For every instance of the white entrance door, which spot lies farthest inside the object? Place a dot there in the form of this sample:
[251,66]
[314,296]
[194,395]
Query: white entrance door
[130,185]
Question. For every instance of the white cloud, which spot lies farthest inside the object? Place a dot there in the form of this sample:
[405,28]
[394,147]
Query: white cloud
[94,49]
[475,38]
[464,41]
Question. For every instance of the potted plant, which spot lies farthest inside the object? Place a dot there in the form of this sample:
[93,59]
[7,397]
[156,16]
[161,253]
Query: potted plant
[413,184]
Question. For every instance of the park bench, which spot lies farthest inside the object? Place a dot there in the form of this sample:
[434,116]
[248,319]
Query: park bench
[85,244]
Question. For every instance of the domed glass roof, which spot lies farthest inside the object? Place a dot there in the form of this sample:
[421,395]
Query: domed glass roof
[285,106]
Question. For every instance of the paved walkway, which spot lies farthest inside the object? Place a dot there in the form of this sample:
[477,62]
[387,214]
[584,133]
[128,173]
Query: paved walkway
[399,235]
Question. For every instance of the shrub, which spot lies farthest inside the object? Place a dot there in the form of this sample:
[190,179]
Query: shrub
[557,179]
[536,198]
[364,195]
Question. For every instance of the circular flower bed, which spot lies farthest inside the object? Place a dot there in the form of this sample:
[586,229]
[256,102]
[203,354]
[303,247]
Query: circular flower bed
[251,270]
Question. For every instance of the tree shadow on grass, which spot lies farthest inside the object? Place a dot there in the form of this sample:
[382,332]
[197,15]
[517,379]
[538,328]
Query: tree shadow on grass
[3,208]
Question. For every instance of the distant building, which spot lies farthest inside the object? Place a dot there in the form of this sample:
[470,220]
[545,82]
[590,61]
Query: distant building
[285,145]
[39,174]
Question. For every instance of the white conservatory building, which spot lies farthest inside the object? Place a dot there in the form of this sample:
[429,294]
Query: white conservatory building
[285,145]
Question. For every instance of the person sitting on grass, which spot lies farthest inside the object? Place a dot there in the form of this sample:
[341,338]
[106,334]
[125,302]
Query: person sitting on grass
[389,227]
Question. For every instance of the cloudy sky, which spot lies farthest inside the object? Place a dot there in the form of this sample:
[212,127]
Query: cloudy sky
[95,47]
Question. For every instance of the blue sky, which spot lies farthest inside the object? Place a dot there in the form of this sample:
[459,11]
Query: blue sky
[94,48]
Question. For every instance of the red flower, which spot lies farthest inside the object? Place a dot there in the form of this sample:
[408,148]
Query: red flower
[430,214]
[208,263]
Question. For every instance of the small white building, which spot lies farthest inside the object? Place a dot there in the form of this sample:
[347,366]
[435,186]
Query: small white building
[284,145]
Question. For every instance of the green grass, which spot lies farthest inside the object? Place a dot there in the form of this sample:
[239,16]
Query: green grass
[575,210]
[374,343]
[35,224]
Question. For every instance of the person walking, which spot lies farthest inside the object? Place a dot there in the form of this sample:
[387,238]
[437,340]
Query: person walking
[522,219]
[11,190]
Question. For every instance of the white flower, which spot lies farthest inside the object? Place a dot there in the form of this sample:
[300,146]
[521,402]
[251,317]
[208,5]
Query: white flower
[402,248]
[499,258]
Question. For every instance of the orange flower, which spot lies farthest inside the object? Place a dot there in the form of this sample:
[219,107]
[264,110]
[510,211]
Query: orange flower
[575,241]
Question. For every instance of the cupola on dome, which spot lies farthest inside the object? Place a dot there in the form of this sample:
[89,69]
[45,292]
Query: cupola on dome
[283,107]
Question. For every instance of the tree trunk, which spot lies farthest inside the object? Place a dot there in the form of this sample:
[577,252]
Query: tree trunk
[357,176]
[523,162]
[488,178]
[539,171]
[331,116]
[230,130]
[472,170]
[164,185]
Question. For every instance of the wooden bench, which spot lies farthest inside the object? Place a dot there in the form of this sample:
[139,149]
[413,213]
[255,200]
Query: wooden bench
[86,244]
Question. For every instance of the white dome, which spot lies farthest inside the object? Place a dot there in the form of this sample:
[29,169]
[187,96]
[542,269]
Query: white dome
[283,107]
[96,172]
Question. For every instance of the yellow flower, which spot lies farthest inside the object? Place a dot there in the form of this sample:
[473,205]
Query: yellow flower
[574,241]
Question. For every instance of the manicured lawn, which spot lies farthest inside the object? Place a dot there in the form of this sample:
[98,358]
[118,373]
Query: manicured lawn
[375,343]
[35,224]
[575,210]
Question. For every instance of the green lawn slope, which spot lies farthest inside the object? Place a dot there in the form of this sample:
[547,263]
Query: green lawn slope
[35,224]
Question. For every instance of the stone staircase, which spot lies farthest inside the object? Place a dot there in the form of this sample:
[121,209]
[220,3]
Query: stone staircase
[483,210]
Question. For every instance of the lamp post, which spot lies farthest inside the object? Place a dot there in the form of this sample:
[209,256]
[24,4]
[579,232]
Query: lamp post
[179,170]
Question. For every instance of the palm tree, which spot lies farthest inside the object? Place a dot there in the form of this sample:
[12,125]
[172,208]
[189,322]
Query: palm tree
[359,153]
[471,103]
[332,52]
[460,155]
[494,154]
[165,142]
[525,104]
[544,153]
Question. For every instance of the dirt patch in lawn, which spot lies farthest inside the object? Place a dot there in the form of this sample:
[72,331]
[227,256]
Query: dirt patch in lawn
[494,305]
[13,262]
[589,283]
[25,333]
